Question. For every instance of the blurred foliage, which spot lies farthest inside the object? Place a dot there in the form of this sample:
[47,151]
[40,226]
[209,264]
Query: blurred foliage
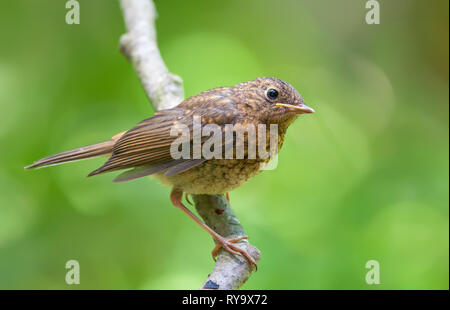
[366,177]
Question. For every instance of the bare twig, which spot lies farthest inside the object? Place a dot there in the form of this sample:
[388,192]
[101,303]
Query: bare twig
[165,91]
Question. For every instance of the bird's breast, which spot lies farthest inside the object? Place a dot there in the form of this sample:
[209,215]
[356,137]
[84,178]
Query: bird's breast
[216,176]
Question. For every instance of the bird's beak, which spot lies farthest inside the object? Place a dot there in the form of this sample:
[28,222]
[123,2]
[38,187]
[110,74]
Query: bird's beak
[299,109]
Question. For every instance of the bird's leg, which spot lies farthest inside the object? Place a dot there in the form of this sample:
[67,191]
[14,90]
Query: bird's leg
[227,195]
[222,242]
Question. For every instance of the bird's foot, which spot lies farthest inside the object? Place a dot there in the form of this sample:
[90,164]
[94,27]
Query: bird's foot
[228,244]
[186,195]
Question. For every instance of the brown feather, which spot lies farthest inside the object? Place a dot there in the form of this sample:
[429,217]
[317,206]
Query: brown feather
[85,152]
[148,143]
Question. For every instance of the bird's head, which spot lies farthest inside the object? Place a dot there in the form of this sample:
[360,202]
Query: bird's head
[276,100]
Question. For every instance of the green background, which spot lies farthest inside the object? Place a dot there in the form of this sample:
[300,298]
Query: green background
[365,177]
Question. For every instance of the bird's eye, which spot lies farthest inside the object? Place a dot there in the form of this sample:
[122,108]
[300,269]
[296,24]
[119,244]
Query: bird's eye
[272,94]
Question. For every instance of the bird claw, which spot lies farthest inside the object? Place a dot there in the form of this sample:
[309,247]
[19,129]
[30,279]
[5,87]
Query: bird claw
[228,245]
[186,195]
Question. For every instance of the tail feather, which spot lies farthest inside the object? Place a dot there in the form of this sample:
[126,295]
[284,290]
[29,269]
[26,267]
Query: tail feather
[81,153]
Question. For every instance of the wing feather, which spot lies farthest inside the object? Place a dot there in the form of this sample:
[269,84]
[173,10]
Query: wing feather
[143,171]
[147,145]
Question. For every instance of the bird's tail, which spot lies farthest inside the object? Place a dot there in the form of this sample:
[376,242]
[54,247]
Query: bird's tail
[81,153]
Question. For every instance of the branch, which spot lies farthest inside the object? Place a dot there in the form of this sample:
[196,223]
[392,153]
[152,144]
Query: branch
[230,271]
[165,91]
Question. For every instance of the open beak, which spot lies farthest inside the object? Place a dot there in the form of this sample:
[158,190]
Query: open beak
[299,109]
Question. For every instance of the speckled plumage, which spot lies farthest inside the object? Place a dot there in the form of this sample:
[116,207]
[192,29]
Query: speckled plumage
[216,176]
[245,103]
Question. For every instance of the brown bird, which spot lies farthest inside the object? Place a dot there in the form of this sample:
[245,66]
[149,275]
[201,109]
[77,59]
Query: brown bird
[149,147]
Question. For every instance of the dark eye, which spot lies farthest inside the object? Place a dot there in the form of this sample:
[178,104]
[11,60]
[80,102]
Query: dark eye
[272,94]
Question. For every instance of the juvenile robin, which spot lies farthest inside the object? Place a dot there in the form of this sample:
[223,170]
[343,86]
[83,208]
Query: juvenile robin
[146,148]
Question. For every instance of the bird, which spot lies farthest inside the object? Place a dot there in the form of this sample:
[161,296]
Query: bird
[148,148]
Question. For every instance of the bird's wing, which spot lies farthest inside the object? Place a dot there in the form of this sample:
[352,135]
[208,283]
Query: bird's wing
[147,145]
[172,168]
